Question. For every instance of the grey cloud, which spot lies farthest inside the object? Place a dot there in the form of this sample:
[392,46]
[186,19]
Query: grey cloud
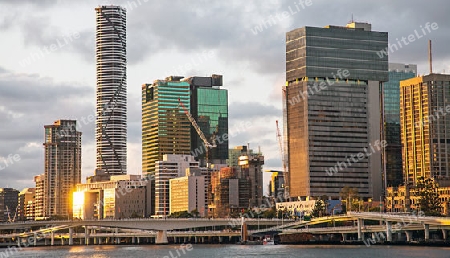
[28,102]
[246,110]
[272,162]
[228,27]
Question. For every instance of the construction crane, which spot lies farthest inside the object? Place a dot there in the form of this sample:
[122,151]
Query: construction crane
[283,160]
[199,131]
[9,214]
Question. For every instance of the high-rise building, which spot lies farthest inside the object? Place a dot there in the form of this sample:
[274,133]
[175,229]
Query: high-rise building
[165,127]
[8,204]
[209,108]
[26,204]
[111,110]
[424,123]
[392,158]
[334,76]
[62,167]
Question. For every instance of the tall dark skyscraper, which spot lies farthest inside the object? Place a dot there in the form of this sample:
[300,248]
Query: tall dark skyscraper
[209,107]
[111,110]
[334,76]
[391,103]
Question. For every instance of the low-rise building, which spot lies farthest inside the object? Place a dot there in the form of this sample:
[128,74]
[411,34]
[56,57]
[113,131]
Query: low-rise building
[300,208]
[26,204]
[39,197]
[229,194]
[124,196]
[8,204]
[407,199]
[172,166]
[187,194]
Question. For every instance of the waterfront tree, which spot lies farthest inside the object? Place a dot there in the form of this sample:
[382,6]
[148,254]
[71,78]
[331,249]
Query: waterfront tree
[429,201]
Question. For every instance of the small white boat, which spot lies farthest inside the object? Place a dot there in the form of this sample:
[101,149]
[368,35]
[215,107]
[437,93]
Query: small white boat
[268,240]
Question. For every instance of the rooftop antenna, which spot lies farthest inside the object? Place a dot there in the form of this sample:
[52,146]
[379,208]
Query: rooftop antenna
[352,18]
[430,58]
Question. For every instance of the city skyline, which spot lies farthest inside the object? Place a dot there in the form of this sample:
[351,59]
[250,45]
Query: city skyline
[65,72]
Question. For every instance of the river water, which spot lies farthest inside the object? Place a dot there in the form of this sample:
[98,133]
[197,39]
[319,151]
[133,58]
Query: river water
[216,251]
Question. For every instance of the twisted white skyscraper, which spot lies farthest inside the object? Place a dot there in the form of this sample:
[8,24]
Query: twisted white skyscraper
[111,111]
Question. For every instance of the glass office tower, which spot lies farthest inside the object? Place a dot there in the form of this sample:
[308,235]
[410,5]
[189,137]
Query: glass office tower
[391,102]
[334,76]
[165,127]
[209,107]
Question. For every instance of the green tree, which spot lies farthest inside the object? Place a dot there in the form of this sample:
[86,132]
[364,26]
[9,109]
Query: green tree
[180,214]
[270,213]
[195,213]
[319,209]
[350,196]
[135,215]
[429,201]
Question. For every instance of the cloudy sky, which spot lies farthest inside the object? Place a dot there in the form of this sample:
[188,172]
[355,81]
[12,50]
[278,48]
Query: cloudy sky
[40,83]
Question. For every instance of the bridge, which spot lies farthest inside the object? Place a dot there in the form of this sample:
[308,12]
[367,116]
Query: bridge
[158,229]
[199,230]
[401,224]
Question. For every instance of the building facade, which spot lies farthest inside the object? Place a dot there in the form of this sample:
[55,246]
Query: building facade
[229,194]
[165,127]
[39,208]
[188,194]
[392,156]
[171,166]
[26,204]
[248,165]
[251,169]
[8,204]
[62,167]
[407,199]
[111,109]
[123,196]
[333,77]
[209,108]
[424,103]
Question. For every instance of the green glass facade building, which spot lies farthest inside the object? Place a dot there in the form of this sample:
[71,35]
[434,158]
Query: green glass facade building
[391,102]
[209,107]
[165,127]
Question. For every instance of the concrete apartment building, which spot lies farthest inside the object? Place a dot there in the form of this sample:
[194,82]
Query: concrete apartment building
[62,167]
[188,193]
[39,209]
[26,204]
[334,77]
[171,166]
[425,134]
